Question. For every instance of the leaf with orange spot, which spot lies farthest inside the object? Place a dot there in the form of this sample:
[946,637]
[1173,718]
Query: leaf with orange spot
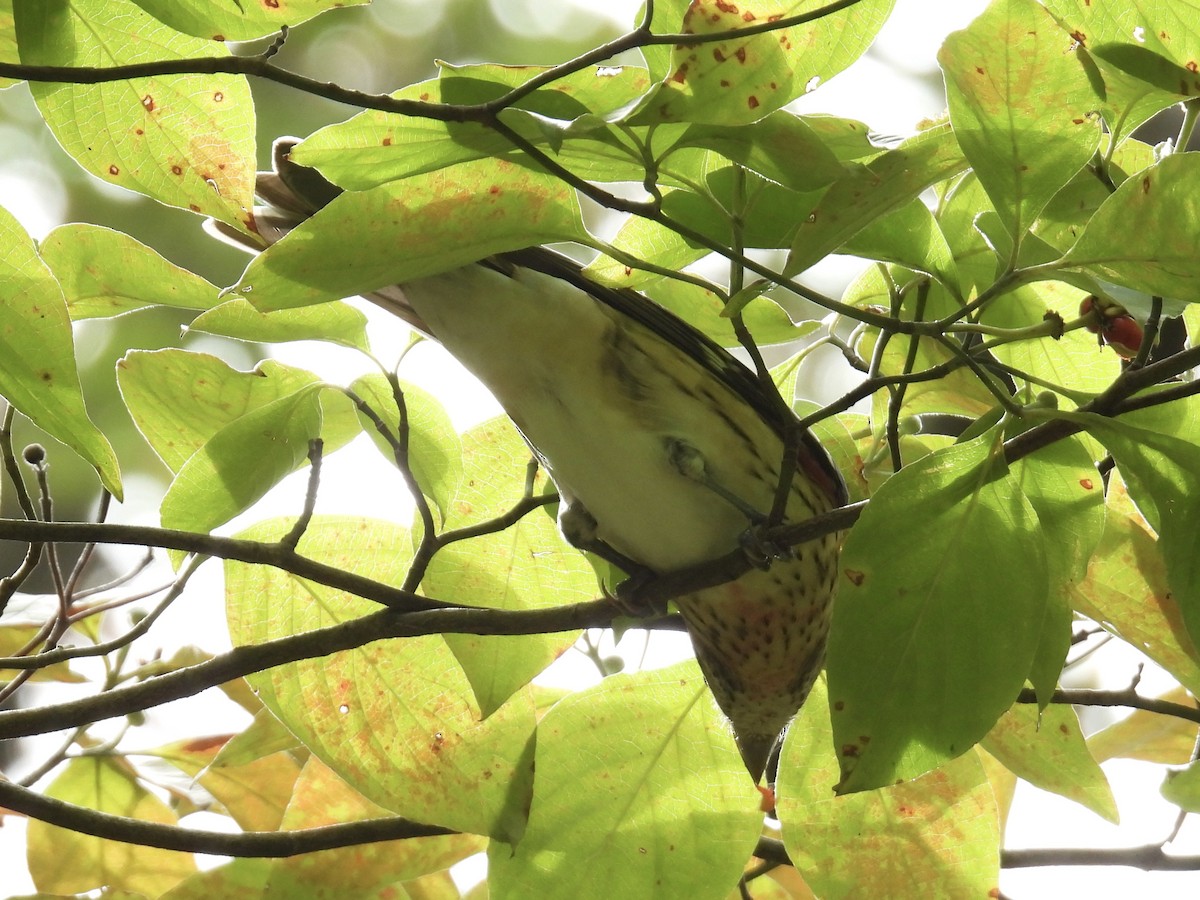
[321,798]
[932,638]
[1126,590]
[38,373]
[396,719]
[1133,239]
[442,220]
[1157,453]
[742,79]
[241,21]
[184,140]
[1047,749]
[941,829]
[1146,52]
[1020,102]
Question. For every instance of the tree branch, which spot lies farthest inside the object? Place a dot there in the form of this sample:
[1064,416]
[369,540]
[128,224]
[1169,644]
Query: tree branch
[1127,697]
[277,555]
[242,661]
[172,837]
[1148,858]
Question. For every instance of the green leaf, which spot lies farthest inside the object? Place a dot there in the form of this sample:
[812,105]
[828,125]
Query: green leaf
[1167,30]
[1137,84]
[235,880]
[932,637]
[439,221]
[65,861]
[8,41]
[769,213]
[766,320]
[962,204]
[911,237]
[1077,361]
[1148,736]
[1138,237]
[106,273]
[1064,488]
[957,391]
[37,354]
[239,21]
[242,462]
[1070,210]
[366,870]
[741,80]
[942,829]
[1019,102]
[396,718]
[1047,749]
[180,400]
[1126,591]
[338,323]
[645,239]
[525,566]
[870,191]
[434,450]
[634,779]
[263,737]
[1182,787]
[781,146]
[1163,474]
[769,216]
[184,140]
[373,147]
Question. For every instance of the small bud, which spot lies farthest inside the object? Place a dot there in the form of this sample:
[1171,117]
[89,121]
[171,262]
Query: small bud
[34,454]
[612,665]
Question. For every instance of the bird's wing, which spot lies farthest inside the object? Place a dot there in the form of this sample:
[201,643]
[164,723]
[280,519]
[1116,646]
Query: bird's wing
[291,193]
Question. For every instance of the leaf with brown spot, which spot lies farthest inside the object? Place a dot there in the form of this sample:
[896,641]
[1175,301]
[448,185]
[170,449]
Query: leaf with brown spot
[38,374]
[121,131]
[740,80]
[941,829]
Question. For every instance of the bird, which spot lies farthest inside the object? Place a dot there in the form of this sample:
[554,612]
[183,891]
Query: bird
[665,450]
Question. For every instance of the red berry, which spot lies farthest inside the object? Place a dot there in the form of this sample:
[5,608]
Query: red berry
[1114,324]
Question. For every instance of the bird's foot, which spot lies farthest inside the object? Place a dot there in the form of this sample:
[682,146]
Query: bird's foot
[760,550]
[631,599]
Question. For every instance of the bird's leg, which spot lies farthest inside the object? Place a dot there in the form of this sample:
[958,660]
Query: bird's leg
[580,529]
[690,463]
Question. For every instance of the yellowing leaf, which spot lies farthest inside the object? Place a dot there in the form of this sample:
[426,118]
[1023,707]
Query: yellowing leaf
[938,835]
[1047,749]
[65,862]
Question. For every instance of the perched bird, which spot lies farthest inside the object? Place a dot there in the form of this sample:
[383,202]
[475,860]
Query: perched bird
[664,448]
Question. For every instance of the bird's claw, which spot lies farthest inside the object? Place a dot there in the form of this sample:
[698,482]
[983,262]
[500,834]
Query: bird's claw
[760,550]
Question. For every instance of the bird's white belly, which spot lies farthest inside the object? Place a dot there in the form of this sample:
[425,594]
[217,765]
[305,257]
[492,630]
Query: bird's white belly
[543,347]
